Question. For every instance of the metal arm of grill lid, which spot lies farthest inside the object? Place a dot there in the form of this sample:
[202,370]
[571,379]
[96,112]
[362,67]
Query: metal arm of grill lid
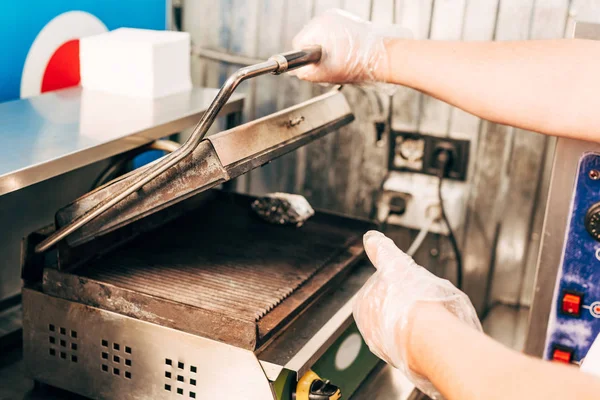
[277,64]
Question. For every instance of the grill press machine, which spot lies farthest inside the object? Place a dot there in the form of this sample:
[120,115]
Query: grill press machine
[157,285]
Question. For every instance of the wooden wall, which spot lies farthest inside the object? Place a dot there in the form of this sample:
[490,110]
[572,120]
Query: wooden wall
[343,171]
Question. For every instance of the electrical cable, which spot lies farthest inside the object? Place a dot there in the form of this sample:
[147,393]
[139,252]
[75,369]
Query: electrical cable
[416,244]
[443,158]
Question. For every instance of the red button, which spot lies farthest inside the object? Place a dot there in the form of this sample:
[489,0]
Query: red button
[571,304]
[562,355]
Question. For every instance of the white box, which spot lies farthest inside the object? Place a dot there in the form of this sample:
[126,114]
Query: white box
[136,62]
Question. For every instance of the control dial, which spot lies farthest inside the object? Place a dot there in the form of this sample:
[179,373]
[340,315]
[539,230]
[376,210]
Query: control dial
[592,221]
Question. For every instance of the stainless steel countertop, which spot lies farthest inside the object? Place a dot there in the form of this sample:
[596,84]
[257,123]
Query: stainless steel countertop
[57,132]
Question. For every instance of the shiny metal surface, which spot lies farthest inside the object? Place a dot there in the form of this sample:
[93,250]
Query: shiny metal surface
[298,347]
[320,342]
[217,159]
[386,383]
[103,355]
[233,289]
[562,182]
[57,132]
[293,60]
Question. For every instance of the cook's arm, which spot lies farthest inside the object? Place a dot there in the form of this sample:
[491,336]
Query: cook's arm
[548,86]
[427,328]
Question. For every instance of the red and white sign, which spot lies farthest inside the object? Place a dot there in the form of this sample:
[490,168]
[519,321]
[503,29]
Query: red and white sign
[53,59]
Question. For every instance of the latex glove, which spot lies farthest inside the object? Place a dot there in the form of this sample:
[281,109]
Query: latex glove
[384,307]
[353,49]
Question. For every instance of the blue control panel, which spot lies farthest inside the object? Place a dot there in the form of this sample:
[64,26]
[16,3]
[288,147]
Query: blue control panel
[575,318]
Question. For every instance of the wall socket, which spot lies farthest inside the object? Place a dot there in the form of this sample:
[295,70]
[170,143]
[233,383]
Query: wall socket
[420,197]
[413,183]
[414,152]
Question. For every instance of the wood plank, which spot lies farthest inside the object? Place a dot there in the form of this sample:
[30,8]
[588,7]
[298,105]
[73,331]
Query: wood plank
[348,144]
[270,26]
[315,175]
[527,289]
[204,72]
[549,22]
[446,24]
[244,40]
[359,8]
[292,90]
[373,154]
[479,23]
[476,245]
[522,170]
[584,10]
[414,15]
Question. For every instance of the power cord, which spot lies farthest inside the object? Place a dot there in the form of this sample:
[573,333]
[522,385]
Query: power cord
[416,244]
[443,160]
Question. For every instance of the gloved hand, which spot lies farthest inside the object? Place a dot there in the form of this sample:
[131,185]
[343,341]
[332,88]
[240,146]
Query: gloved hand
[386,304]
[353,49]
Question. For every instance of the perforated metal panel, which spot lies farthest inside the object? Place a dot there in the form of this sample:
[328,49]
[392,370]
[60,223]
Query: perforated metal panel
[103,355]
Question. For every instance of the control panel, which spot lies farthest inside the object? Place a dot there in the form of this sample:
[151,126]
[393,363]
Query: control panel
[575,317]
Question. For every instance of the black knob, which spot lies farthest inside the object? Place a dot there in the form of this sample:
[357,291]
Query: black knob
[592,221]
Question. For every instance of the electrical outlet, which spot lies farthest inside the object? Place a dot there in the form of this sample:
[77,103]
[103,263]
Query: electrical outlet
[415,152]
[418,193]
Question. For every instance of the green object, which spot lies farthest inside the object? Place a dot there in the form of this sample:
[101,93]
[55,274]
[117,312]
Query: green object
[349,378]
[285,385]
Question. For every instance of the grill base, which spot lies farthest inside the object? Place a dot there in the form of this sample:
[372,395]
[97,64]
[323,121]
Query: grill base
[219,272]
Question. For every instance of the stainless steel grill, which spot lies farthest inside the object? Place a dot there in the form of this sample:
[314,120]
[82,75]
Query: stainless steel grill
[220,263]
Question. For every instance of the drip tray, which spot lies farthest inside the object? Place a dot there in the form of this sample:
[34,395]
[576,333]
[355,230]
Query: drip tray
[219,272]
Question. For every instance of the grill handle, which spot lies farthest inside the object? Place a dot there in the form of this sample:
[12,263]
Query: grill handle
[296,59]
[277,64]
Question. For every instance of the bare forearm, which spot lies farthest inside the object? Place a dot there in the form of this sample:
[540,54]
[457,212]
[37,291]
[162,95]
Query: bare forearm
[548,86]
[467,365]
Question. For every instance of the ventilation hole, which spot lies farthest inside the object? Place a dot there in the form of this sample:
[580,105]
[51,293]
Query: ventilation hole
[51,328]
[180,365]
[116,371]
[116,359]
[104,367]
[74,346]
[63,343]
[168,361]
[52,339]
[168,387]
[179,391]
[193,382]
[104,343]
[128,362]
[193,369]
[52,352]
[127,349]
[74,334]
[63,355]
[192,395]
[63,331]
[180,378]
[74,358]
[167,374]
[116,346]
[127,374]
[105,355]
